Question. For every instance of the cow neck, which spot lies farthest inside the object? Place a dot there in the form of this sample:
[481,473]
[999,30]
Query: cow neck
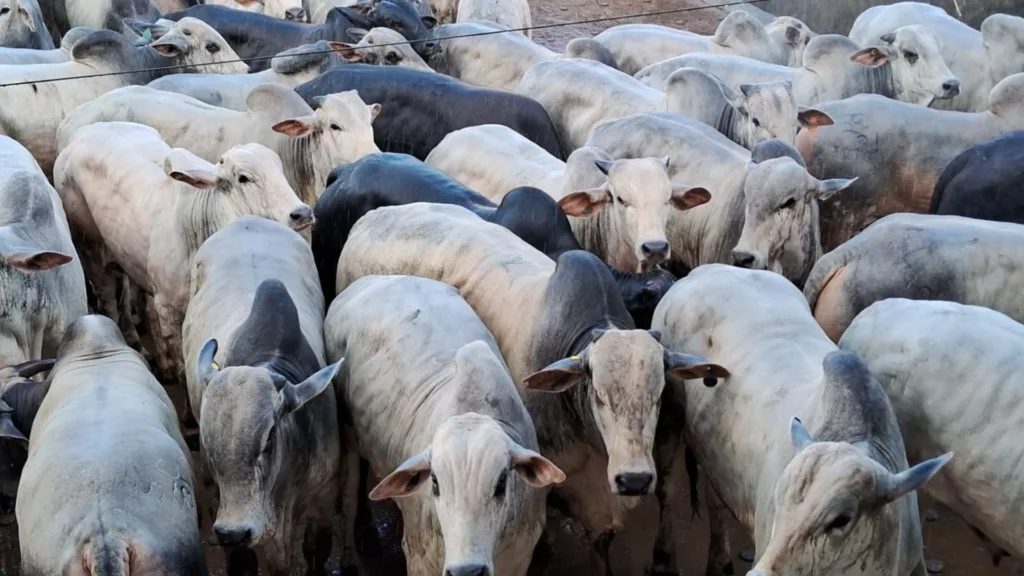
[299,162]
[875,81]
[729,123]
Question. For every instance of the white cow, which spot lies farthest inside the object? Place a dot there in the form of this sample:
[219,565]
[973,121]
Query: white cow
[37,105]
[147,208]
[800,443]
[477,53]
[282,9]
[42,287]
[108,487]
[923,353]
[290,68]
[309,143]
[380,46]
[763,214]
[638,45]
[54,56]
[979,59]
[907,67]
[515,14]
[430,398]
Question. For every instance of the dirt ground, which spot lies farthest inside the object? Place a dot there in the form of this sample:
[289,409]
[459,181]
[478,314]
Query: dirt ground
[951,548]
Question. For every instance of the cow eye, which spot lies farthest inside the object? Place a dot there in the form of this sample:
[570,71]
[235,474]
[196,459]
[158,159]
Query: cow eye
[499,488]
[910,56]
[268,444]
[4,11]
[621,202]
[243,179]
[335,127]
[212,48]
[788,204]
[186,32]
[838,523]
[436,490]
[756,122]
[392,58]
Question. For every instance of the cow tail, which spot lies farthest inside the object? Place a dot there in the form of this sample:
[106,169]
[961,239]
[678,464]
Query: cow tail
[822,273]
[105,557]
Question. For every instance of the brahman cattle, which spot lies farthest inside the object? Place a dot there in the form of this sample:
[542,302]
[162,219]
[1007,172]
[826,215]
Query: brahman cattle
[985,181]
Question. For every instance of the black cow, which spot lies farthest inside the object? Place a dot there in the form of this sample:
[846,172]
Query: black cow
[396,179]
[19,404]
[254,35]
[421,108]
[985,182]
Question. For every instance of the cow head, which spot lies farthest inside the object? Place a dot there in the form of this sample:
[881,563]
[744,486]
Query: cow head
[627,370]
[781,229]
[919,72]
[247,181]
[791,34]
[771,112]
[832,510]
[247,427]
[637,197]
[380,46]
[194,43]
[17,24]
[403,17]
[281,9]
[1003,36]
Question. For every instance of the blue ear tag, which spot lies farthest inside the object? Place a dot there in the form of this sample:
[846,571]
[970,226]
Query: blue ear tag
[147,34]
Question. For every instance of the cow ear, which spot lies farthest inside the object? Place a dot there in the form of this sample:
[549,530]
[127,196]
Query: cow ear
[559,376]
[800,436]
[36,261]
[294,397]
[170,46]
[689,367]
[894,486]
[826,189]
[534,469]
[686,197]
[374,111]
[605,166]
[406,480]
[870,57]
[429,21]
[586,203]
[295,127]
[347,51]
[26,18]
[201,179]
[813,118]
[206,367]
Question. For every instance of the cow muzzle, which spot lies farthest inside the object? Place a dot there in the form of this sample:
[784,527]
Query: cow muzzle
[300,218]
[231,536]
[652,253]
[296,14]
[950,88]
[634,483]
[746,259]
[468,570]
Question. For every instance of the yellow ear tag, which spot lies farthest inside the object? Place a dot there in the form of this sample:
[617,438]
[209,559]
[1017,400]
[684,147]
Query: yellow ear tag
[574,358]
[215,366]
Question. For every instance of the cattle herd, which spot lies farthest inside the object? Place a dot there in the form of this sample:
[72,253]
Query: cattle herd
[393,255]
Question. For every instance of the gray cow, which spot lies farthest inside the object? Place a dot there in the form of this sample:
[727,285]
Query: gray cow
[898,150]
[761,215]
[432,405]
[800,443]
[923,257]
[42,286]
[568,331]
[923,353]
[108,487]
[268,422]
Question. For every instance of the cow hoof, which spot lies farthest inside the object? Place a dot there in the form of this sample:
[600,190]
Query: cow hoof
[934,566]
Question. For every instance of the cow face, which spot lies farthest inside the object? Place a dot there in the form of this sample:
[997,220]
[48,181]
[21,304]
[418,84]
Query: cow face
[282,9]
[381,47]
[919,73]
[1003,36]
[637,198]
[16,24]
[196,43]
[477,478]
[247,181]
[832,513]
[405,18]
[770,111]
[793,35]
[627,370]
[248,433]
[781,230]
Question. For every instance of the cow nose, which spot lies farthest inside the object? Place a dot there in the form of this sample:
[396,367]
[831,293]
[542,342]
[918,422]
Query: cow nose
[431,47]
[654,249]
[951,87]
[743,259]
[296,13]
[633,483]
[301,217]
[468,570]
[233,535]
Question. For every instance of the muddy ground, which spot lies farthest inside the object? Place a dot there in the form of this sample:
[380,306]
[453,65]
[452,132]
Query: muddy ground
[950,547]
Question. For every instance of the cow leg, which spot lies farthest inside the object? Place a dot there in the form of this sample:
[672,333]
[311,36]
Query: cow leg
[719,554]
[348,503]
[316,548]
[602,548]
[242,562]
[668,444]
